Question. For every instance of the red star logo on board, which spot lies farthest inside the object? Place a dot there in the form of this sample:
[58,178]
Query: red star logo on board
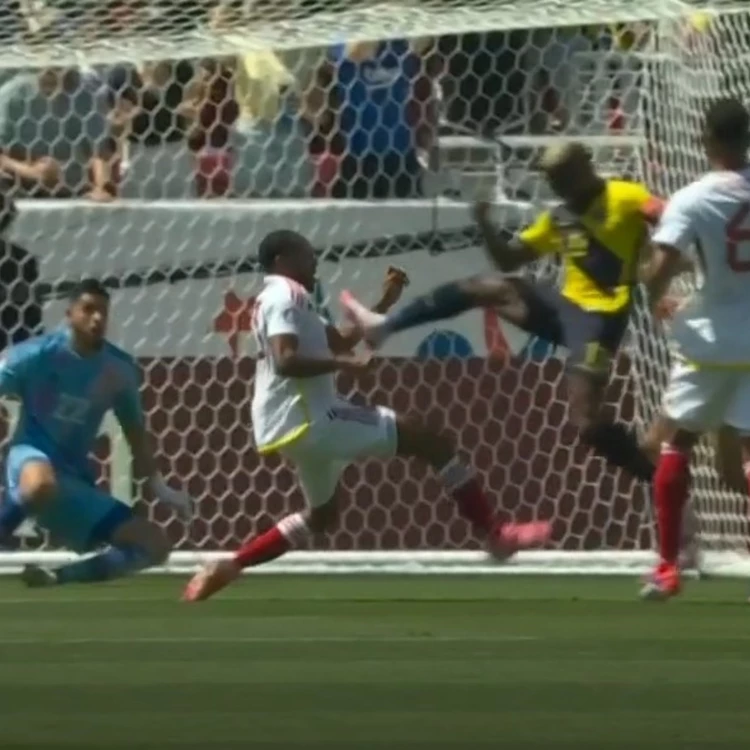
[235,318]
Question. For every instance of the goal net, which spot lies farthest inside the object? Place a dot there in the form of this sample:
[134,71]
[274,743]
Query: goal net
[158,142]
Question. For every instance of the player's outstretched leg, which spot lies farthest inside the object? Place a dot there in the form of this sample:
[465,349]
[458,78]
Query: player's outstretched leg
[135,544]
[445,301]
[412,440]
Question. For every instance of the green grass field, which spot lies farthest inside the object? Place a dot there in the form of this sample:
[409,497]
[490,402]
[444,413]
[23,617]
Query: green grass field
[372,662]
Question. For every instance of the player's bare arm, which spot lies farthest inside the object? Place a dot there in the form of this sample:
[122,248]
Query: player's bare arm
[664,266]
[344,338]
[290,363]
[506,255]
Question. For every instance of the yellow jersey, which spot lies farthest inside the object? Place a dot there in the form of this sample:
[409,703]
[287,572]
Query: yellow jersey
[600,249]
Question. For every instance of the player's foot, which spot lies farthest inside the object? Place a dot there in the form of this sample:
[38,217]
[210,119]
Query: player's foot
[508,538]
[36,577]
[664,583]
[210,580]
[369,323]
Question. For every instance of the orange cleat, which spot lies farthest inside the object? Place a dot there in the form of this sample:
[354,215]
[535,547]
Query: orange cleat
[212,579]
[663,584]
[508,538]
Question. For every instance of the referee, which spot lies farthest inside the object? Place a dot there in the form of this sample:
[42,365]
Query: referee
[20,309]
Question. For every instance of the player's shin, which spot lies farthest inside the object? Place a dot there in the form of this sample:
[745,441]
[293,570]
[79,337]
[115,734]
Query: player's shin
[289,532]
[445,301]
[463,485]
[671,486]
[115,562]
[619,446]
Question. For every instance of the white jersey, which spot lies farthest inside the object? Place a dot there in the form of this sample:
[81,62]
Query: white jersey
[284,408]
[709,222]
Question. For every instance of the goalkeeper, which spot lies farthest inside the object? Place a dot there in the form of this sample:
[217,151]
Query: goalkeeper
[598,231]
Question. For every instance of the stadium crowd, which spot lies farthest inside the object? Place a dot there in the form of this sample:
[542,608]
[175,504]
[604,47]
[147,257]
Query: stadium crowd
[350,121]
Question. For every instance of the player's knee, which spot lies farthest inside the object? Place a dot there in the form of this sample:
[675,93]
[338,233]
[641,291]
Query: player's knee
[417,440]
[146,536]
[38,484]
[487,290]
[324,517]
[157,547]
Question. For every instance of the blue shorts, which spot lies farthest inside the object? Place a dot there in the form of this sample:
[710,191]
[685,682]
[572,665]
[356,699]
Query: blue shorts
[81,517]
[592,338]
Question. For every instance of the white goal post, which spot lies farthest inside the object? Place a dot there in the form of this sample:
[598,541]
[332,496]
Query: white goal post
[176,245]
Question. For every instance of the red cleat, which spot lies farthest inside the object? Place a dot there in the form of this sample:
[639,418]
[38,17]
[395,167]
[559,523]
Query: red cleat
[210,580]
[508,538]
[663,584]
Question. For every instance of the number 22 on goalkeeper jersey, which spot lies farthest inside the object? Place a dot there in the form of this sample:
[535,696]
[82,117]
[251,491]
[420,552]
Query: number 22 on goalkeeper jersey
[64,397]
[709,223]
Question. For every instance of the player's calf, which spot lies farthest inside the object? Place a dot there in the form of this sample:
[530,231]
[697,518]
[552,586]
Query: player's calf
[445,301]
[417,440]
[136,545]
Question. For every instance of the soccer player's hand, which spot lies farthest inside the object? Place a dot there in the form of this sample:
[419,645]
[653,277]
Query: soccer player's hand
[396,280]
[180,502]
[482,211]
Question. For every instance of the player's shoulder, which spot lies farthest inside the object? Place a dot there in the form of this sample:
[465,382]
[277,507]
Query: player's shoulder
[628,193]
[281,290]
[37,346]
[695,192]
[121,360]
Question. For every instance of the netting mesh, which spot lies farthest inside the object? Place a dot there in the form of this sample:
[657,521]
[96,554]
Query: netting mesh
[157,148]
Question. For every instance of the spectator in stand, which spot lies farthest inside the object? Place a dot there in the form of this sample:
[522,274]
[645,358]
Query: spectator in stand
[375,87]
[211,108]
[272,136]
[55,135]
[20,308]
[161,86]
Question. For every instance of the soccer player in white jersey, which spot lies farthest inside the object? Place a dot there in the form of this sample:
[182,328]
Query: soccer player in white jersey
[710,381]
[298,413]
[66,381]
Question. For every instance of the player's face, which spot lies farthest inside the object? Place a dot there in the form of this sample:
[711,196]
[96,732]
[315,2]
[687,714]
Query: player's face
[574,183]
[88,317]
[306,266]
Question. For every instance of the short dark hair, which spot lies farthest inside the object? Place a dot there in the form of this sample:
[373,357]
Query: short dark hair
[88,286]
[728,122]
[276,244]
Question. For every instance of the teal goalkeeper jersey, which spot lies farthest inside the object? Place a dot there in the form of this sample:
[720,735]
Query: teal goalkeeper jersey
[64,397]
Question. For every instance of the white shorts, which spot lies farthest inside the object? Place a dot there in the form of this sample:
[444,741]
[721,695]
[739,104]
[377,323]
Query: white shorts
[701,400]
[346,434]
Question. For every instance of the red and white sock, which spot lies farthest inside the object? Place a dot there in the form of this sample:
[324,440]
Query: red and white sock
[463,485]
[671,486]
[287,534]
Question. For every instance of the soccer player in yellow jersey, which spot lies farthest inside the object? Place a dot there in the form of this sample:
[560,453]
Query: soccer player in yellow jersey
[598,231]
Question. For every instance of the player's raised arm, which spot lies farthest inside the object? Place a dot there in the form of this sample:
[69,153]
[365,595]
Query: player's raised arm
[343,339]
[14,366]
[671,241]
[506,255]
[289,360]
[129,413]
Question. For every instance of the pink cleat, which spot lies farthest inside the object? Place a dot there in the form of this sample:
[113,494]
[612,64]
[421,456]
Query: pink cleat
[663,584]
[210,580]
[367,322]
[508,538]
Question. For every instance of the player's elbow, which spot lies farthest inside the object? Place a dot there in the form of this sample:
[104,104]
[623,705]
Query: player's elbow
[284,364]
